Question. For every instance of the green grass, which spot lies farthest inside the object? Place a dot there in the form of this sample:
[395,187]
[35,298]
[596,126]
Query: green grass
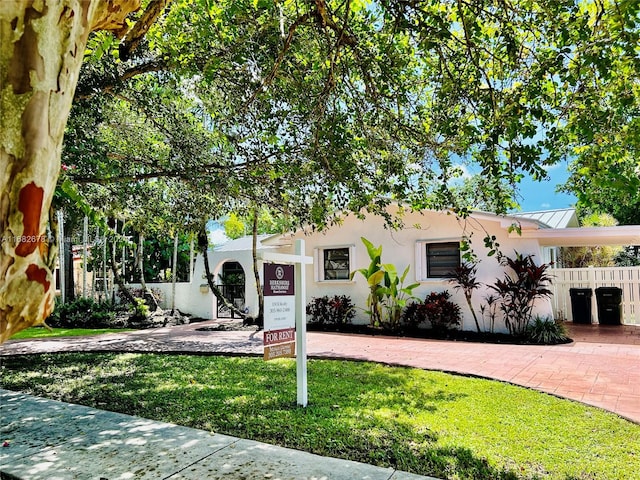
[43,332]
[424,422]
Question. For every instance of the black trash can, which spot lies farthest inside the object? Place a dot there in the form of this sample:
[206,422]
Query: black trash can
[609,301]
[581,304]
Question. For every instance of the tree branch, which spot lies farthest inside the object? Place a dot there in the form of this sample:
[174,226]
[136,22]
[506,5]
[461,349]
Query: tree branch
[108,84]
[141,27]
[276,66]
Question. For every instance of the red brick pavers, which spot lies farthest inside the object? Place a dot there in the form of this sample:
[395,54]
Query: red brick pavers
[605,375]
[601,367]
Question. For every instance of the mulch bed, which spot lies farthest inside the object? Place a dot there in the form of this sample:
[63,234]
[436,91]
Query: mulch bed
[451,335]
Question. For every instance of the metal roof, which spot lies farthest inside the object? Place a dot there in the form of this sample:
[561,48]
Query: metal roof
[561,218]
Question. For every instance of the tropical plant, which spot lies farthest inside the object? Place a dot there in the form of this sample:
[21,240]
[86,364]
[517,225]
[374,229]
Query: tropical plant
[519,290]
[395,294]
[464,278]
[546,331]
[437,309]
[387,294]
[83,313]
[628,257]
[338,310]
[489,310]
[374,274]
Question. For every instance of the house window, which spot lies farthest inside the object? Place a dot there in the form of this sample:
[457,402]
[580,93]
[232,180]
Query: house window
[442,259]
[336,263]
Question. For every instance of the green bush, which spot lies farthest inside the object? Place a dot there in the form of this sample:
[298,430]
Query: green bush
[83,313]
[337,310]
[545,331]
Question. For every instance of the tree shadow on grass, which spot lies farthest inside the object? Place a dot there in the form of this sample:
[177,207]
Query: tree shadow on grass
[360,412]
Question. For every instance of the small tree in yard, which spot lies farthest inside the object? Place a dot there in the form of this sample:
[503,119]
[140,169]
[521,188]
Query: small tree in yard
[464,278]
[518,291]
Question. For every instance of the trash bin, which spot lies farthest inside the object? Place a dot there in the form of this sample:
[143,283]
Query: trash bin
[581,304]
[609,301]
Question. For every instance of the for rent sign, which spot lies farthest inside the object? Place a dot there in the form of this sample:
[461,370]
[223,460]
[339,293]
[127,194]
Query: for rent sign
[279,311]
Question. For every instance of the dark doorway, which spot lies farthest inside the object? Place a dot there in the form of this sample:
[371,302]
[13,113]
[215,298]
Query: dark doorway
[232,284]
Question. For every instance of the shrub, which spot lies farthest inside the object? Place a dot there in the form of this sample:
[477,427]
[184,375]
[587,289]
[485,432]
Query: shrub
[519,290]
[144,295]
[413,315]
[82,313]
[545,331]
[437,309]
[338,310]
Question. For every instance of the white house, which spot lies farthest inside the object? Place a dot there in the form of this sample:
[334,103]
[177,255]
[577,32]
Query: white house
[429,243]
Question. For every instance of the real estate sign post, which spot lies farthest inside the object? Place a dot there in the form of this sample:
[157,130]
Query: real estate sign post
[285,320]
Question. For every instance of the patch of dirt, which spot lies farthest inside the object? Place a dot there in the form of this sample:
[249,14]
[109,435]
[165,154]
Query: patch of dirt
[157,319]
[227,326]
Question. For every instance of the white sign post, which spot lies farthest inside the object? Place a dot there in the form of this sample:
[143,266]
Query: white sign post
[299,260]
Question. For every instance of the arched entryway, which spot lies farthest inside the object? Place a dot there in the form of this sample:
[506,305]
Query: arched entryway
[231,281]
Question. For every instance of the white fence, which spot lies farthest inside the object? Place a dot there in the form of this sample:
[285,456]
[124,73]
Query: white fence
[625,278]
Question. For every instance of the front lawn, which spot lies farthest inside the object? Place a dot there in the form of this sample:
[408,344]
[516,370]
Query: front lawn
[43,332]
[424,422]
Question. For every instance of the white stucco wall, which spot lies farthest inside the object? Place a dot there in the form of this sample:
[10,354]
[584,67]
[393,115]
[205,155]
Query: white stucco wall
[189,298]
[399,248]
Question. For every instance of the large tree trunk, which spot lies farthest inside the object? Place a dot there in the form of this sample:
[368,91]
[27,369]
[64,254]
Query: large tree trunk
[256,272]
[69,271]
[41,50]
[174,273]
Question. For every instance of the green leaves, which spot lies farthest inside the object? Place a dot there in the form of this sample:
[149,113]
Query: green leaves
[387,293]
[319,108]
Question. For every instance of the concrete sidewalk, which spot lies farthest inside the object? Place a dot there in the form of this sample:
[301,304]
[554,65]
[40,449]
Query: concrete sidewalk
[49,440]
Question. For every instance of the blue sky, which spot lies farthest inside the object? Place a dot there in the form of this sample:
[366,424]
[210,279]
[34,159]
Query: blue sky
[536,196]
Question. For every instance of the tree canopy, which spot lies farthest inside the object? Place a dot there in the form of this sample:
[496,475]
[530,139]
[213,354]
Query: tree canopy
[321,107]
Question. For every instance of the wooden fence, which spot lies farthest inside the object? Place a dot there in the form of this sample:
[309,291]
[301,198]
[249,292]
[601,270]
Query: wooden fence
[625,278]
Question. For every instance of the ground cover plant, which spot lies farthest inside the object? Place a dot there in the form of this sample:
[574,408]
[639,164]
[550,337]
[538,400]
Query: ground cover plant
[425,422]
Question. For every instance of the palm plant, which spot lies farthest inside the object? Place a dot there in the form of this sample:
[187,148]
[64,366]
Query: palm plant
[464,278]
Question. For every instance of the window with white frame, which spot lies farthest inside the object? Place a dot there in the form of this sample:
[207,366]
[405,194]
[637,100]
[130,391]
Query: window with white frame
[442,259]
[437,259]
[333,263]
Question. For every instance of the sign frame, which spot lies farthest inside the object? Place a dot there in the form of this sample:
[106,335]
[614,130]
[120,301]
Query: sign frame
[299,260]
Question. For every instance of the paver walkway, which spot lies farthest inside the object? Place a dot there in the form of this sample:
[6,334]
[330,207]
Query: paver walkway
[600,368]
